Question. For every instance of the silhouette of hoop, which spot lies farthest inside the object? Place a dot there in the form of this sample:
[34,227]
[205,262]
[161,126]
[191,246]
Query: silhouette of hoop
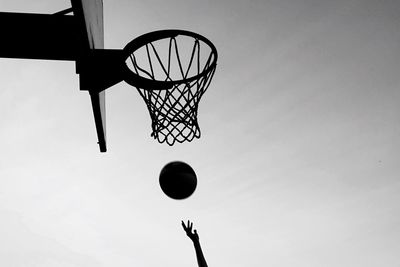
[171,70]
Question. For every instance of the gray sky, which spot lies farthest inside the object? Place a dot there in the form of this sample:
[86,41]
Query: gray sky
[298,163]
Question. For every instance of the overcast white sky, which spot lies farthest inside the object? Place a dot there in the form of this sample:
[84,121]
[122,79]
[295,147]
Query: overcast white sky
[298,164]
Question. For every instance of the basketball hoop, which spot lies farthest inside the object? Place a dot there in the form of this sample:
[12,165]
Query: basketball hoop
[171,70]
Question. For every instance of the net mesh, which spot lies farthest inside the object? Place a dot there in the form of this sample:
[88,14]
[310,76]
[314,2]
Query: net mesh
[190,65]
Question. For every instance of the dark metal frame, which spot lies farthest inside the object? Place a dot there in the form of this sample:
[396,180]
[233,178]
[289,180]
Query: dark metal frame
[59,37]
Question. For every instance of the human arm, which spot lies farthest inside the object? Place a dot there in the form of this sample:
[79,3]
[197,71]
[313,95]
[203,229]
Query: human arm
[195,238]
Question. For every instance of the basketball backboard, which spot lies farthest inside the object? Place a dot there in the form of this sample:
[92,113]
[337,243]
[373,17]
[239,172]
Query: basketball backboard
[89,14]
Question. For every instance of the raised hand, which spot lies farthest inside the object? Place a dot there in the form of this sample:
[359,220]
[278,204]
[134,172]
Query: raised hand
[195,238]
[188,229]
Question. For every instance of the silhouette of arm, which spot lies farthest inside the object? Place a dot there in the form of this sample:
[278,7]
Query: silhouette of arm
[195,238]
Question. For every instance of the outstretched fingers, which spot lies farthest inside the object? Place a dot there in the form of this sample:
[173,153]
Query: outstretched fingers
[188,226]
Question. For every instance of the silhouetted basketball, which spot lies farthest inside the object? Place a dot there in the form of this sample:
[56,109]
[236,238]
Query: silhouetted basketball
[178,180]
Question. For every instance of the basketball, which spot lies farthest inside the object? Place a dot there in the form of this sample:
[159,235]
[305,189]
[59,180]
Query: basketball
[178,180]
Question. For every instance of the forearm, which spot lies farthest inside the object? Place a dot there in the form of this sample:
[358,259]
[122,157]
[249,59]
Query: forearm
[199,254]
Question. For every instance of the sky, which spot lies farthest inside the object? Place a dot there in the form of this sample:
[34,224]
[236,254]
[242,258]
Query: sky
[298,163]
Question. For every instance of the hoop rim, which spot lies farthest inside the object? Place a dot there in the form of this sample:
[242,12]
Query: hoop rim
[144,83]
